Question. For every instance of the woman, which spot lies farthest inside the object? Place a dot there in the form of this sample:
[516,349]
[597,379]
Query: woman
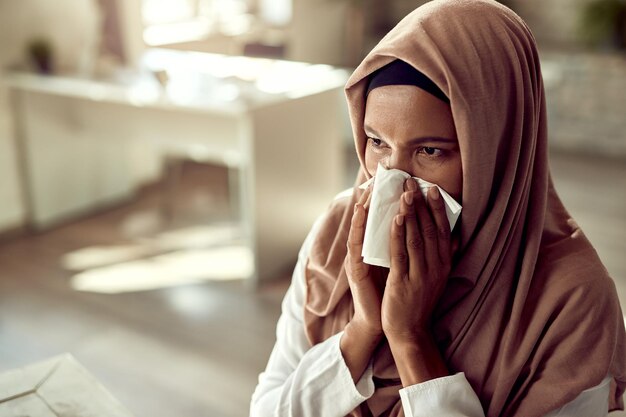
[511,313]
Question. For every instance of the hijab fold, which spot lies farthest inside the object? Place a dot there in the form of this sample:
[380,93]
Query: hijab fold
[529,312]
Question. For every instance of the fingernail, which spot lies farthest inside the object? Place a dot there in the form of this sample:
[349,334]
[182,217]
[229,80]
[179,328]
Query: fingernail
[434,193]
[399,219]
[411,185]
[408,197]
[356,206]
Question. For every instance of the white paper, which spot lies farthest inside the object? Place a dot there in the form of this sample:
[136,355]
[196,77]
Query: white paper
[385,204]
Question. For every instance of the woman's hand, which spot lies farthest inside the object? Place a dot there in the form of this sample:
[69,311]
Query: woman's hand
[366,282]
[420,264]
[363,333]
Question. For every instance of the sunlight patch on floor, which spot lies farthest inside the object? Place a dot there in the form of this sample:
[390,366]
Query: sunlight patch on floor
[198,236]
[175,257]
[97,256]
[185,238]
[177,268]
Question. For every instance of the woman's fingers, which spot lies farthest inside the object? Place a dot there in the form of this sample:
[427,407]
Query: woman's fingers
[399,259]
[438,210]
[356,268]
[368,200]
[413,237]
[428,230]
[355,237]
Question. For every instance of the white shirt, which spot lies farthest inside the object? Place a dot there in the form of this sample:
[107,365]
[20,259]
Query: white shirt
[301,380]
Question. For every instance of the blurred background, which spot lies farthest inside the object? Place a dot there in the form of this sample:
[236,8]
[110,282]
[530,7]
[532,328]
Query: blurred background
[161,162]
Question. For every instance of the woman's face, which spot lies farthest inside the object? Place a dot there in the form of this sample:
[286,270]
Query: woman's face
[411,130]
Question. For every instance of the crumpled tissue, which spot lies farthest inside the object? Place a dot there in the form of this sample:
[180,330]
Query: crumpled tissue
[385,204]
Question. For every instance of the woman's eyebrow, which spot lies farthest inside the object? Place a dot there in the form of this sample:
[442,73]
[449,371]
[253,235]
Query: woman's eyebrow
[370,130]
[414,141]
[431,139]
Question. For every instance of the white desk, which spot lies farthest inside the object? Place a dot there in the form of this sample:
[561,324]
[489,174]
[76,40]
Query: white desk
[56,387]
[280,121]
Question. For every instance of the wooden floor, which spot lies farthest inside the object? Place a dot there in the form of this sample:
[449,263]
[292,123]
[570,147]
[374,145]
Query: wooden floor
[196,349]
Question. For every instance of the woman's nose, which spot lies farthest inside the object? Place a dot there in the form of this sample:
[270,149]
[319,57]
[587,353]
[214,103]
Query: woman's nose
[398,160]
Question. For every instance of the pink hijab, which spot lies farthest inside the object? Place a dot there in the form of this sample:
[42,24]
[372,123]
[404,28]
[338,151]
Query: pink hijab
[530,313]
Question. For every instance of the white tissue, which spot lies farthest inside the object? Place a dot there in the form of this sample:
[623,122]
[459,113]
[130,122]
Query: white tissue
[385,204]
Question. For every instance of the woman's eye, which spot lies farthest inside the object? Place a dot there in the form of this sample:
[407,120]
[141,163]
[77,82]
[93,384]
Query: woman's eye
[430,151]
[375,142]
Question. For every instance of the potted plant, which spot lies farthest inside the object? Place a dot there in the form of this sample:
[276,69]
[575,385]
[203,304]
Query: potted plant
[40,53]
[604,22]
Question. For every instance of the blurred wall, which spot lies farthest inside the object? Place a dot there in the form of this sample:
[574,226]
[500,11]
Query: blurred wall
[317,30]
[584,87]
[585,97]
[554,23]
[71,27]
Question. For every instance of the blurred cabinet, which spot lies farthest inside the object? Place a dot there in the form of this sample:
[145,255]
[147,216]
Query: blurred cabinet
[74,153]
